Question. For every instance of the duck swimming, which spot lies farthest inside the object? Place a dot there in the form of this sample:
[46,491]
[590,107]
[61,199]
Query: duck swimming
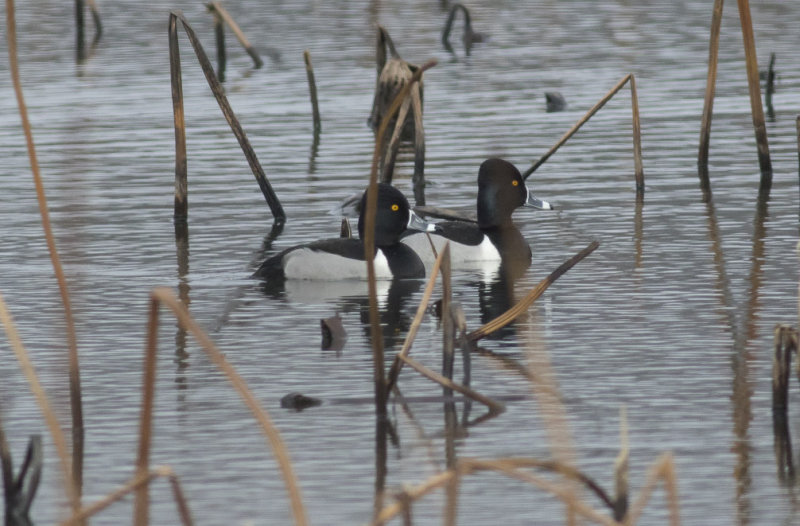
[343,258]
[501,190]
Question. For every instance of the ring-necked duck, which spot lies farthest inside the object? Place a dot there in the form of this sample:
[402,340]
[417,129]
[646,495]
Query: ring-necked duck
[501,190]
[343,258]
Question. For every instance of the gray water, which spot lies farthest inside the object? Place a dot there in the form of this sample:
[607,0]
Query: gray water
[671,318]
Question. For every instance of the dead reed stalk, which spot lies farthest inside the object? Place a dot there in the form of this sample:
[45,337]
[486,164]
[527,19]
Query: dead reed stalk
[379,376]
[219,37]
[751,63]
[448,327]
[708,102]
[312,88]
[662,469]
[76,405]
[510,467]
[637,141]
[73,495]
[512,313]
[621,470]
[166,297]
[181,206]
[218,10]
[495,407]
[138,481]
[785,345]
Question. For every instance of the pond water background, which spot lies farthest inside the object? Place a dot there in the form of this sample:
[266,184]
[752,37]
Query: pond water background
[672,317]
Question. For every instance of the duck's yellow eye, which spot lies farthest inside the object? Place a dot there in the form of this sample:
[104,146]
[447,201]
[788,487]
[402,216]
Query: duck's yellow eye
[515,183]
[395,208]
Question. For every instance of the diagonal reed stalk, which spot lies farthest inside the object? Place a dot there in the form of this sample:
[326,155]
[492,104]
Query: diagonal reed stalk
[512,313]
[165,296]
[637,139]
[138,481]
[76,405]
[181,206]
[44,404]
[754,85]
[379,375]
[494,407]
[218,10]
[397,365]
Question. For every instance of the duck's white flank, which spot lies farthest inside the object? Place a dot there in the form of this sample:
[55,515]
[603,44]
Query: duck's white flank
[459,254]
[306,263]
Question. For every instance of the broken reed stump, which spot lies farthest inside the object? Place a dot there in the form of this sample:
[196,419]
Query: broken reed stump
[785,345]
[312,88]
[468,37]
[395,73]
[637,138]
[220,14]
[181,184]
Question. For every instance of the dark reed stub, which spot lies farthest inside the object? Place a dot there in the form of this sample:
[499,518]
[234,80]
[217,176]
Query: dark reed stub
[555,101]
[333,333]
[21,489]
[299,401]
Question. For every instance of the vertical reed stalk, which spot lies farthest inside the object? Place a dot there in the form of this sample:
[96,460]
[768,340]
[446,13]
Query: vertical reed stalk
[708,102]
[638,167]
[79,30]
[312,88]
[181,169]
[219,34]
[755,96]
[217,8]
[142,501]
[448,327]
[451,501]
[418,178]
[621,470]
[379,374]
[227,111]
[76,405]
[781,365]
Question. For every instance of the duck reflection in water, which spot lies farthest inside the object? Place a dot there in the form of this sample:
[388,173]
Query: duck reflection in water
[494,246]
